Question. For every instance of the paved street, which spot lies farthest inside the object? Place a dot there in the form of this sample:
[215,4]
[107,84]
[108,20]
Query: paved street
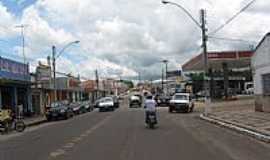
[121,135]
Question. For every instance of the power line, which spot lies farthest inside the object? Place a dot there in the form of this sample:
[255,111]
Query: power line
[232,18]
[231,39]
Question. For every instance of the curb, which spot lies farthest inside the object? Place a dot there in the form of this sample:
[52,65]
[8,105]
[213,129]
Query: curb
[36,123]
[243,130]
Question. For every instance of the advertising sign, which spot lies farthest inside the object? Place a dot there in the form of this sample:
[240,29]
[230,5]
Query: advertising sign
[43,73]
[175,73]
[13,70]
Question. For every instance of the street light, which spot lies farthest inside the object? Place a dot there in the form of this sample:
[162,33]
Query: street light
[204,45]
[65,47]
[182,8]
[166,73]
[54,58]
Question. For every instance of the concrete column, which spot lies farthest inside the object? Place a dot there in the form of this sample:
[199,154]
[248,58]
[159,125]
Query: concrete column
[15,98]
[0,99]
[29,99]
[73,97]
[226,79]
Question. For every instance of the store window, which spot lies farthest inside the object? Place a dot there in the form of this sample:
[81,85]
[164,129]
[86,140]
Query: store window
[266,84]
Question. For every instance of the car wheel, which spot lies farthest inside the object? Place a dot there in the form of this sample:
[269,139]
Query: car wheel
[49,118]
[191,109]
[20,126]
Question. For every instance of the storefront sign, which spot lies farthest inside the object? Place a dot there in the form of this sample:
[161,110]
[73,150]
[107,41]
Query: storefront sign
[13,70]
[43,73]
[175,73]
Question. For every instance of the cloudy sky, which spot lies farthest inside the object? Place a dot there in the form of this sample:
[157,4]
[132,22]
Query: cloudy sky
[124,37]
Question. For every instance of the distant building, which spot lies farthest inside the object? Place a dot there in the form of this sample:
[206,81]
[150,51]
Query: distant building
[43,92]
[261,71]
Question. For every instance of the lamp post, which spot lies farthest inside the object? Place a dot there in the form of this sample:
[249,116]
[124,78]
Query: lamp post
[54,58]
[204,45]
[166,74]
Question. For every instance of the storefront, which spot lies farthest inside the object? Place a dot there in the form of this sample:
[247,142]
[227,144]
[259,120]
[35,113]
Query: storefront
[15,86]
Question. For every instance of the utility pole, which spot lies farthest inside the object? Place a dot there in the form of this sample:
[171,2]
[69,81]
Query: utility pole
[162,80]
[205,55]
[97,82]
[22,27]
[139,77]
[166,74]
[54,72]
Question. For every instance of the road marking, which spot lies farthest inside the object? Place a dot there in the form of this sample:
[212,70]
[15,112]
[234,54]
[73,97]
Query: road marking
[57,153]
[76,139]
[68,146]
[83,135]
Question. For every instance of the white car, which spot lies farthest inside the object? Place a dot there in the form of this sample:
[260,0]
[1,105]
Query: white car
[181,102]
[106,104]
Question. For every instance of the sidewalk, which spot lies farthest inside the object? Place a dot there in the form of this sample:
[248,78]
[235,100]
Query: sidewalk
[36,120]
[240,115]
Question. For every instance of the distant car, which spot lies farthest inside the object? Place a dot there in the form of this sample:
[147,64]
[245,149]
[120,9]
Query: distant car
[106,104]
[181,102]
[164,100]
[58,110]
[135,101]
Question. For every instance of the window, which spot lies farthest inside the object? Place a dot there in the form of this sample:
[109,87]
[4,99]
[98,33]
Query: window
[266,84]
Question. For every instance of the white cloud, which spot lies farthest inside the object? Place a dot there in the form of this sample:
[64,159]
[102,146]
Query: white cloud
[7,23]
[125,37]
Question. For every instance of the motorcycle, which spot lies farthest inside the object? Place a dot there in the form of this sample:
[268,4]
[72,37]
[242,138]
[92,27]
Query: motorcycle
[9,122]
[152,120]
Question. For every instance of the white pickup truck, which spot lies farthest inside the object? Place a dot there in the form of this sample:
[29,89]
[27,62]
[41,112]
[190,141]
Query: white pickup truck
[181,102]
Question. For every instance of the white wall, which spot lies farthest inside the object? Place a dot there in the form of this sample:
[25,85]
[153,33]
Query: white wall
[261,64]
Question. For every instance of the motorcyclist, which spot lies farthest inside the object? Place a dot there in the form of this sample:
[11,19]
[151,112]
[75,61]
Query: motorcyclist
[150,107]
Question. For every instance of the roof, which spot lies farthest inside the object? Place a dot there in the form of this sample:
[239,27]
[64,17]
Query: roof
[235,59]
[186,94]
[260,43]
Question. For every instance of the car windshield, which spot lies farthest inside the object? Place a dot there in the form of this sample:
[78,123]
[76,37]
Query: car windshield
[108,99]
[56,104]
[181,97]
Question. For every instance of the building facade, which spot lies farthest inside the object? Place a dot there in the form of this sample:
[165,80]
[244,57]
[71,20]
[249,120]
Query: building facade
[261,73]
[15,86]
[44,92]
[227,75]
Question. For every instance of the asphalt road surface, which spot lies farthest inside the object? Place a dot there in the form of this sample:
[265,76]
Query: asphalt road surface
[122,135]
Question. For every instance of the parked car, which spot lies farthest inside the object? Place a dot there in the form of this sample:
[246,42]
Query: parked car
[135,101]
[96,103]
[77,107]
[181,102]
[88,106]
[58,110]
[115,101]
[106,104]
[248,88]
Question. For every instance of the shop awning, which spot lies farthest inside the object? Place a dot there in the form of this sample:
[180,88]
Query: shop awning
[234,60]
